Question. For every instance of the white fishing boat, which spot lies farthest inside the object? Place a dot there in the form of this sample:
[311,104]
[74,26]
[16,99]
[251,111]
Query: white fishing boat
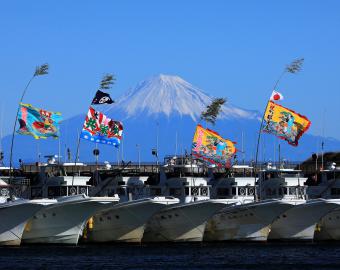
[278,191]
[126,221]
[237,187]
[181,223]
[64,221]
[184,179]
[328,227]
[299,222]
[14,215]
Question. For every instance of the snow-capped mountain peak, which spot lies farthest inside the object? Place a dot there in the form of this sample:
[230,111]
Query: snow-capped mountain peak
[171,95]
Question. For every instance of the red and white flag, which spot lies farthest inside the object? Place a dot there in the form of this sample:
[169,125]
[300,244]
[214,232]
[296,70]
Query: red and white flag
[276,96]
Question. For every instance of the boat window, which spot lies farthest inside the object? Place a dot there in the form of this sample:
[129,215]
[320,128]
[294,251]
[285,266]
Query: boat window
[4,192]
[292,191]
[302,190]
[72,190]
[233,191]
[242,191]
[187,191]
[251,191]
[204,191]
[83,190]
[194,191]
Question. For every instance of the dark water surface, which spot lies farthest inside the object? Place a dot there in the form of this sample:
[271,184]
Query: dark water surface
[175,256]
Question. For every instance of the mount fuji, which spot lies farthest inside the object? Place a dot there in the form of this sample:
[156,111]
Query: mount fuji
[161,113]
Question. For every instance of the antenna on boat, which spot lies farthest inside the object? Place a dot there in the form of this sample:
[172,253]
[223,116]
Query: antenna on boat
[157,138]
[323,138]
[279,156]
[176,143]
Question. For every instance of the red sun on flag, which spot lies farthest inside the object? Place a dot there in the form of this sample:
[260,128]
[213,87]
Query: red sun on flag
[276,96]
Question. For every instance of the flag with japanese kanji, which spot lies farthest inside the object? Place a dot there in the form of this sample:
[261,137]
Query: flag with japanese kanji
[285,123]
[99,128]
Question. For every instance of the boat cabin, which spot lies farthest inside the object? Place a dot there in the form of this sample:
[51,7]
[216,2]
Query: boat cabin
[238,183]
[280,183]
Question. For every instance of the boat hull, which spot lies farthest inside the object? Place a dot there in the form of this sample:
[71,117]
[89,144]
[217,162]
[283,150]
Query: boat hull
[13,220]
[62,223]
[248,222]
[125,222]
[299,223]
[328,227]
[181,223]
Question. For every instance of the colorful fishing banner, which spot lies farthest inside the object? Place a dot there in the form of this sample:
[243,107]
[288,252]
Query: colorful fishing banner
[99,128]
[285,123]
[39,123]
[211,147]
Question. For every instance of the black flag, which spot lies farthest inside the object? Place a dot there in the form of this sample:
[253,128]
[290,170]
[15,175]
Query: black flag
[102,98]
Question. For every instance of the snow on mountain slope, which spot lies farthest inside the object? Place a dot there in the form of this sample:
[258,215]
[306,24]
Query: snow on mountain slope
[171,95]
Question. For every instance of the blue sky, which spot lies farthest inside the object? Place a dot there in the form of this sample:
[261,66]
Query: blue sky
[234,49]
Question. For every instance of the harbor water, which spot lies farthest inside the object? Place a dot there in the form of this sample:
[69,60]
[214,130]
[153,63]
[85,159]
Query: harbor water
[277,256]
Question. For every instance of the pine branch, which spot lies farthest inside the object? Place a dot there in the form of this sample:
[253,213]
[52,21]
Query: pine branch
[41,70]
[213,110]
[107,81]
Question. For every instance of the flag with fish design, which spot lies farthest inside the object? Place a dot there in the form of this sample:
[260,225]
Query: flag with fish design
[38,123]
[99,128]
[211,147]
[285,123]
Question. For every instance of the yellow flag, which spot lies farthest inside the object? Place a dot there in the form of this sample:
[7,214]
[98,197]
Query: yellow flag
[211,147]
[285,123]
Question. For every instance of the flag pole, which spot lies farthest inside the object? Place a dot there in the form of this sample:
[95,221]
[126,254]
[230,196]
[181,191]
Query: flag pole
[259,139]
[40,70]
[294,67]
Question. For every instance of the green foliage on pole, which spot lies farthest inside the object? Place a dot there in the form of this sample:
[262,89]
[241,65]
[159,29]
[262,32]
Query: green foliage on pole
[295,66]
[213,110]
[107,81]
[41,70]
